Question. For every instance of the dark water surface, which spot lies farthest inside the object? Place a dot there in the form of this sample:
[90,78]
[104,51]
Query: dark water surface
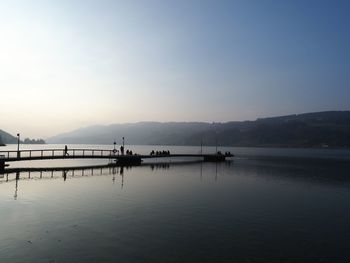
[269,205]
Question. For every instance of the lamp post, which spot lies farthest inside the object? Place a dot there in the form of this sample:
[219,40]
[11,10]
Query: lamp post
[18,140]
[123,144]
[114,150]
[122,148]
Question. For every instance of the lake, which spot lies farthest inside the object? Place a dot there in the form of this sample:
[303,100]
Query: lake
[267,205]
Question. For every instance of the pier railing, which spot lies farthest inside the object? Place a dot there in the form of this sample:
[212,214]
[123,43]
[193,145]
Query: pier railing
[57,153]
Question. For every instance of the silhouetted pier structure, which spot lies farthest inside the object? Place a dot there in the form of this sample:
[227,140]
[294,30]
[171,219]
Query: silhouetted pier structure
[136,159]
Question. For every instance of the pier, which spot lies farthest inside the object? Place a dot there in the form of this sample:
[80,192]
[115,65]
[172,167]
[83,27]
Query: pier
[122,159]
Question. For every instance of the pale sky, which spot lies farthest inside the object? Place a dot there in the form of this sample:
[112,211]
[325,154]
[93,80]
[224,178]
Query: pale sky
[68,64]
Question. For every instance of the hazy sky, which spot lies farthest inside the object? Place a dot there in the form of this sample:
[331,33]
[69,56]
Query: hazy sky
[67,64]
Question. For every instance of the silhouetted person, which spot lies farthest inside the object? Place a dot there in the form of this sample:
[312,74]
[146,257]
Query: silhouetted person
[122,150]
[66,150]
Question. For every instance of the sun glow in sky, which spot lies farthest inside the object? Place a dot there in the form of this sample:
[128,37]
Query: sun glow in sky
[67,64]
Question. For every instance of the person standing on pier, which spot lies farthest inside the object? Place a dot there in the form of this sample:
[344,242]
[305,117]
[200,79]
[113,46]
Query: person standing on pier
[66,150]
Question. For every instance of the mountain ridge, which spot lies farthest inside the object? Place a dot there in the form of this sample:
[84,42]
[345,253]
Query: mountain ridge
[6,137]
[315,129]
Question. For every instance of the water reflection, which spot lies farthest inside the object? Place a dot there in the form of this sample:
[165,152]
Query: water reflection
[48,173]
[321,172]
[164,166]
[281,211]
[122,175]
[330,172]
[16,186]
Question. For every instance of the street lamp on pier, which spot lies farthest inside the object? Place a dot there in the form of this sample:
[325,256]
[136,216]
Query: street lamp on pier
[122,147]
[18,140]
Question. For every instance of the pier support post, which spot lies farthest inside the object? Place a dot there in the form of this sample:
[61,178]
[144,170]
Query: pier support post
[129,160]
[214,158]
[2,164]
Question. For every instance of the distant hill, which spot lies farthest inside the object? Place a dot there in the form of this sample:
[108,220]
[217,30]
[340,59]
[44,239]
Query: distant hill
[7,138]
[321,129]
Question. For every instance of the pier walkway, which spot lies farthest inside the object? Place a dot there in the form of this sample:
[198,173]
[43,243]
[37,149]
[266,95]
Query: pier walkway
[52,154]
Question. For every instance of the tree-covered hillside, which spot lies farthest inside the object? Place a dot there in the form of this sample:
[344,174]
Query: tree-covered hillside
[323,129]
[7,138]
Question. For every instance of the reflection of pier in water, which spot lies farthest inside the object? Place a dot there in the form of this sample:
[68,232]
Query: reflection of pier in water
[50,173]
[20,174]
[76,171]
[61,172]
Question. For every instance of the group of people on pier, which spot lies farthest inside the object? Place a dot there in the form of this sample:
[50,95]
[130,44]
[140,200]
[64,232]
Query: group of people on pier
[127,152]
[160,152]
[226,153]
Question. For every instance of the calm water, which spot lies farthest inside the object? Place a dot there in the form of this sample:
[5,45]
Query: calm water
[269,205]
